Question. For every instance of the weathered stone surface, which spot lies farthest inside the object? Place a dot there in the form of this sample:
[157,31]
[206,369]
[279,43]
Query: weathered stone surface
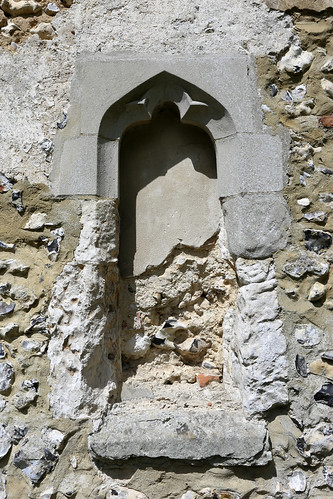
[238,170]
[81,314]
[137,346]
[207,379]
[45,31]
[20,8]
[182,179]
[256,224]
[308,335]
[37,456]
[325,394]
[35,83]
[5,184]
[317,240]
[5,441]
[190,495]
[84,368]
[304,265]
[159,24]
[27,395]
[316,442]
[317,292]
[328,356]
[326,121]
[36,221]
[9,29]
[295,60]
[6,376]
[3,494]
[301,366]
[316,5]
[297,481]
[6,308]
[327,67]
[187,435]
[318,216]
[322,368]
[249,163]
[17,201]
[125,493]
[327,87]
[51,9]
[25,297]
[16,268]
[254,271]
[7,247]
[254,347]
[9,330]
[328,475]
[17,432]
[96,245]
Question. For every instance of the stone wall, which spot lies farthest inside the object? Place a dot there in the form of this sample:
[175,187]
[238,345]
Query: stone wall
[80,364]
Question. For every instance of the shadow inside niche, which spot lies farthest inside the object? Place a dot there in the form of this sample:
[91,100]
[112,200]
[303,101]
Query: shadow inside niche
[160,189]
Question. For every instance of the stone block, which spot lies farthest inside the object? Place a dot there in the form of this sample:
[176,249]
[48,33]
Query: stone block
[78,166]
[249,163]
[107,175]
[256,224]
[225,437]
[253,343]
[98,239]
[227,78]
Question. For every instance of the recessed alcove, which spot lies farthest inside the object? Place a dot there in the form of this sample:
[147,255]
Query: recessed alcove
[168,189]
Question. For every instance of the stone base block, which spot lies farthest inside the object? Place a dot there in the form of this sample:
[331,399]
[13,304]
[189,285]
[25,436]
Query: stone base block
[225,438]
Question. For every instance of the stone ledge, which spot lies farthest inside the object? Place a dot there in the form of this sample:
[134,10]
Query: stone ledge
[225,438]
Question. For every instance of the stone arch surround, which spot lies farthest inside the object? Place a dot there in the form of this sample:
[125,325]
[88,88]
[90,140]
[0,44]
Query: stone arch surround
[109,94]
[221,97]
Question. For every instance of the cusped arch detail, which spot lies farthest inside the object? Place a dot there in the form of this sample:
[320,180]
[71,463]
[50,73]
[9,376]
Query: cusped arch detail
[216,93]
[195,107]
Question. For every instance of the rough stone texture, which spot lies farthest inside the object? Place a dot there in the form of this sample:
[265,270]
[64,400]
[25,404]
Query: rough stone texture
[176,317]
[316,5]
[224,437]
[83,320]
[254,345]
[37,456]
[248,159]
[6,377]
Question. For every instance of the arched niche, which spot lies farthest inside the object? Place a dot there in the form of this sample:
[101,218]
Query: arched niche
[168,189]
[110,94]
[195,107]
